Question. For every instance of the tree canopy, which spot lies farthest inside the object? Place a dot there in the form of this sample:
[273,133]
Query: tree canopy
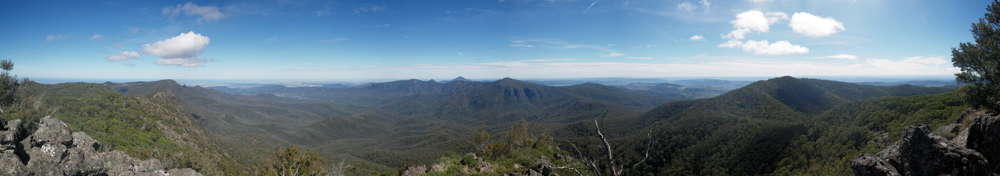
[980,61]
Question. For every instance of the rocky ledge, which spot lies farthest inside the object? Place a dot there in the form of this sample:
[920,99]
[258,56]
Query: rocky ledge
[51,149]
[918,152]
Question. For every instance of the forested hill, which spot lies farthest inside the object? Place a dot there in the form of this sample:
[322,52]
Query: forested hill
[151,126]
[781,126]
[392,123]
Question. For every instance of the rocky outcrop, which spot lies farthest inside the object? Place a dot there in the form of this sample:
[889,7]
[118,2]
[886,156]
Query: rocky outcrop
[51,149]
[984,136]
[475,165]
[921,153]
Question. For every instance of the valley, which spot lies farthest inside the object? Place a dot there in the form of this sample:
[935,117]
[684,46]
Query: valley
[382,127]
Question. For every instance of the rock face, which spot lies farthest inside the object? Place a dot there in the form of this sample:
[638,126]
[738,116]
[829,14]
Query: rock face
[984,136]
[53,150]
[921,153]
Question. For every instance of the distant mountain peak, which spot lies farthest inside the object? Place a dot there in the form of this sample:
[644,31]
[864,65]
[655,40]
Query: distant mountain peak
[509,81]
[168,81]
[785,78]
[459,78]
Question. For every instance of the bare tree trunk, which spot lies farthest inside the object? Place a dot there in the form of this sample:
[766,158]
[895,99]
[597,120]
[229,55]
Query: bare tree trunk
[611,157]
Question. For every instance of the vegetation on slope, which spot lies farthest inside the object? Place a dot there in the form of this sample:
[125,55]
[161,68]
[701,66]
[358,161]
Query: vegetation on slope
[783,126]
[847,131]
[145,127]
[518,152]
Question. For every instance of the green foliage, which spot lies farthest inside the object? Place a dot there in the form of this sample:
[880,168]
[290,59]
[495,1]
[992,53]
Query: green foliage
[480,139]
[518,153]
[979,61]
[8,85]
[292,161]
[862,127]
[783,126]
[114,119]
[144,127]
[519,134]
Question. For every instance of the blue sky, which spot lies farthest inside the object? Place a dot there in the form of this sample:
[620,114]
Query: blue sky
[398,39]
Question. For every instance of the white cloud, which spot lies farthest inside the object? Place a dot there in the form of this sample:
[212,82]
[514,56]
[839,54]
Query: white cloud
[814,26]
[204,13]
[764,47]
[760,1]
[187,62]
[913,65]
[551,60]
[52,37]
[927,60]
[686,6]
[521,45]
[181,50]
[731,44]
[614,54]
[556,44]
[842,56]
[640,58]
[696,37]
[96,37]
[753,21]
[124,55]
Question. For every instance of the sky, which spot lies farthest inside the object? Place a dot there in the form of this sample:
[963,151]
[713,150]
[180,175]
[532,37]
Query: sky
[403,39]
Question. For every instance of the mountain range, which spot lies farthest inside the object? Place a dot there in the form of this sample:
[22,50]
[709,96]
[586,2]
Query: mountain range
[778,126]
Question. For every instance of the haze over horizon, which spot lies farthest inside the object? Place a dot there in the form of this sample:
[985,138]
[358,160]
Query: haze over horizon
[529,39]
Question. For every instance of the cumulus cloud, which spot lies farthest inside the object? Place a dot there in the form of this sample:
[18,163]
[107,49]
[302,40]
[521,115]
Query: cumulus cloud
[52,37]
[760,1]
[753,21]
[842,57]
[696,37]
[96,37]
[124,55]
[814,26]
[181,50]
[204,13]
[764,47]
